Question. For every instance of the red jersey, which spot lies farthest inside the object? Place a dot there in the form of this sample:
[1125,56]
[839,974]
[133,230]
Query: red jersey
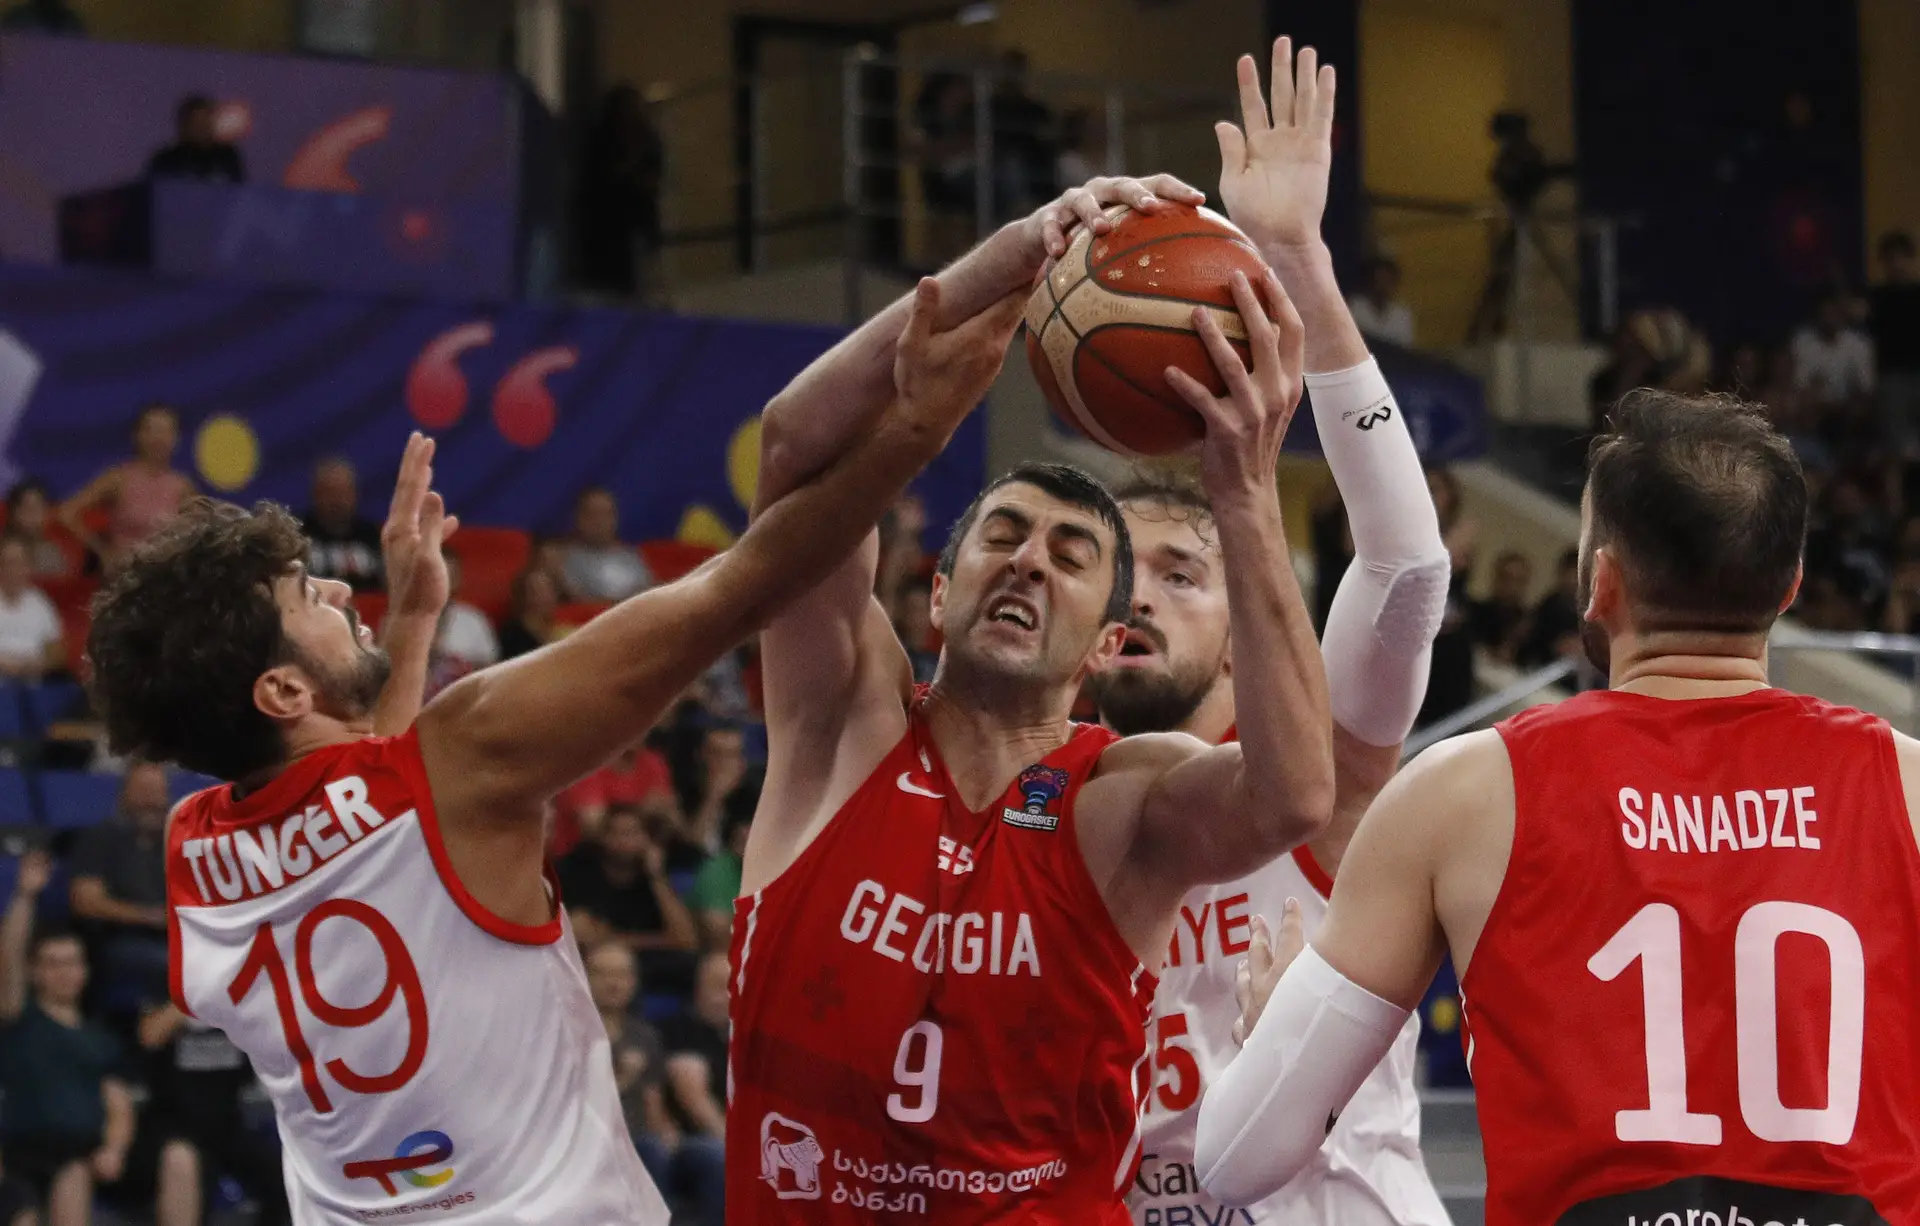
[934,1016]
[1695,998]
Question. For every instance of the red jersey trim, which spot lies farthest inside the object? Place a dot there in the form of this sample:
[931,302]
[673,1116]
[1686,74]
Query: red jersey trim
[176,972]
[1069,821]
[1309,866]
[493,925]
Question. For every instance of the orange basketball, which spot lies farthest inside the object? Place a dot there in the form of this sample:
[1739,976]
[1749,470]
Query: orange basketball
[1117,309]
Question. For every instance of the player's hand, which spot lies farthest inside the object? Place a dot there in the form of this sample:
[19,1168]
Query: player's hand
[939,376]
[1274,169]
[1246,426]
[36,870]
[1267,959]
[1043,235]
[417,525]
[108,1164]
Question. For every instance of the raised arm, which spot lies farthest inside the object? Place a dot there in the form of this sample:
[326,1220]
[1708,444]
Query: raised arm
[835,674]
[501,741]
[1379,634]
[16,930]
[1317,1026]
[417,525]
[1218,812]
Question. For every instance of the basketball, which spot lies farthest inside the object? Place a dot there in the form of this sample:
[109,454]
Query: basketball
[1117,309]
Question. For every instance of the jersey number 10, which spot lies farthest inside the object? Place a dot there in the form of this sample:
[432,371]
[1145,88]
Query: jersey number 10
[263,956]
[1652,938]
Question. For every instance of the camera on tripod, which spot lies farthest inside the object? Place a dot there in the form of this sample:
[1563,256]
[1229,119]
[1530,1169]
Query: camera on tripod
[1520,170]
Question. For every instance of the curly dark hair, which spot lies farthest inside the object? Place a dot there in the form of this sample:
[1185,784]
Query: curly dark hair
[184,629]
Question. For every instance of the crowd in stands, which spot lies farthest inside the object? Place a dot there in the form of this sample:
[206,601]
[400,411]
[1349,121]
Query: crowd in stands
[1845,388]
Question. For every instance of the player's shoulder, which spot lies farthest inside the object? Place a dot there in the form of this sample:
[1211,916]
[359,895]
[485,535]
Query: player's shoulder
[1458,777]
[1149,752]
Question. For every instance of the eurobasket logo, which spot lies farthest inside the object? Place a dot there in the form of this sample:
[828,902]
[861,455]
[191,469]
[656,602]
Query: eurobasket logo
[1040,788]
[411,1161]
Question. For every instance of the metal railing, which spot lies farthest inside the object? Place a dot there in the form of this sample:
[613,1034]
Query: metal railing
[1786,640]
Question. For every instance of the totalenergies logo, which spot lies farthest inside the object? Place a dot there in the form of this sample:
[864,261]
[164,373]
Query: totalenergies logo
[410,1162]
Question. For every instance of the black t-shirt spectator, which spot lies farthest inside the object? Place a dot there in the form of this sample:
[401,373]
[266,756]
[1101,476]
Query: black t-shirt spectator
[1554,618]
[690,1032]
[351,556]
[1896,326]
[517,640]
[1494,624]
[196,1082]
[628,907]
[130,859]
[207,163]
[52,1075]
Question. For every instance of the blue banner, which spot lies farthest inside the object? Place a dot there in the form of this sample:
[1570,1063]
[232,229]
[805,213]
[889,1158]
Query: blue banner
[530,404]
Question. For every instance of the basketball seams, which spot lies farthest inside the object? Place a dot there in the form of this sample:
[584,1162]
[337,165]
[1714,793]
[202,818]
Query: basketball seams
[1175,403]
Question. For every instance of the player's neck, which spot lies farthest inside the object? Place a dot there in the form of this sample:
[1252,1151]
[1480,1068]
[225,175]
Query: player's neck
[984,746]
[67,1015]
[1688,666]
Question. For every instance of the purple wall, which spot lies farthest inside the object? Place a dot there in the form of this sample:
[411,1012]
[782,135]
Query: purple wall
[77,115]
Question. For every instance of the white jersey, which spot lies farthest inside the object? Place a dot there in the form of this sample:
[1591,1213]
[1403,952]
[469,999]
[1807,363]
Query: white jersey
[1369,1173]
[427,1060]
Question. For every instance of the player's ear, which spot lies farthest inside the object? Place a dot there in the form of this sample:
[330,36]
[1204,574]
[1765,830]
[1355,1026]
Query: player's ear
[283,693]
[1113,636]
[1604,600]
[937,604]
[1793,589]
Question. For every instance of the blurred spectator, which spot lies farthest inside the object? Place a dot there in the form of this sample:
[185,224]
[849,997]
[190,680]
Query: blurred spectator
[903,552]
[944,122]
[1553,629]
[629,781]
[32,642]
[1075,163]
[697,1056]
[1500,621]
[913,622]
[616,889]
[43,17]
[197,152]
[143,493]
[1902,614]
[723,782]
[688,1169]
[1847,544]
[1895,315]
[617,202]
[1833,360]
[529,623]
[1023,149]
[1653,348]
[718,883]
[1378,309]
[599,566]
[1450,679]
[342,543]
[465,641]
[69,1117]
[192,1128]
[28,506]
[120,883]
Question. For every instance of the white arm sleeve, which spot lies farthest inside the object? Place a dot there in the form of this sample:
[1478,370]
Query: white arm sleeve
[1268,1112]
[1378,641]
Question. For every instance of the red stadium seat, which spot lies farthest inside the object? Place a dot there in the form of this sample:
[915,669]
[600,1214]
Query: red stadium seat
[72,592]
[75,622]
[489,560]
[669,560]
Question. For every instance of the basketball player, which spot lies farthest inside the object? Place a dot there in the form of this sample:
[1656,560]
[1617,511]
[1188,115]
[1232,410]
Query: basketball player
[1685,909]
[370,918]
[953,895]
[1177,672]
